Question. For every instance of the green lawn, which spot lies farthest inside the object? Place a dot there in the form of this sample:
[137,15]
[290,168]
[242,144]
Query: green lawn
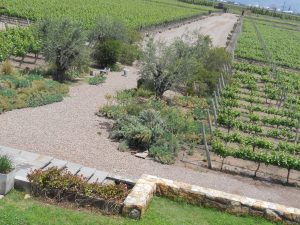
[14,210]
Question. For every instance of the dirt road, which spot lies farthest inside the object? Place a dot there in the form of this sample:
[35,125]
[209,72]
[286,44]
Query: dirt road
[217,27]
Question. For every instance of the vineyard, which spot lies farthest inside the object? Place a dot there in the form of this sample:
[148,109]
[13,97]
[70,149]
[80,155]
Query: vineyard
[17,42]
[282,42]
[258,117]
[135,13]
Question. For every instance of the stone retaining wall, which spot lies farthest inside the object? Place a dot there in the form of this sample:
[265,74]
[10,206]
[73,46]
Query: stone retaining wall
[137,202]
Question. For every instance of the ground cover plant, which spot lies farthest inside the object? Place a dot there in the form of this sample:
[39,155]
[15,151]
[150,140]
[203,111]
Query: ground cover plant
[133,13]
[61,185]
[145,123]
[282,43]
[28,90]
[258,117]
[16,210]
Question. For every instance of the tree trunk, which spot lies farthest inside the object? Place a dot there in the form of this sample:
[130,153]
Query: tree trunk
[288,176]
[257,169]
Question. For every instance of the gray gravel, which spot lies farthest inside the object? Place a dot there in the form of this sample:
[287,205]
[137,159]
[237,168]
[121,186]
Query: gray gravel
[69,130]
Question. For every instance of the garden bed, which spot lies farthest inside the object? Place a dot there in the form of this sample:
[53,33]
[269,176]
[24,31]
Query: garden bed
[62,186]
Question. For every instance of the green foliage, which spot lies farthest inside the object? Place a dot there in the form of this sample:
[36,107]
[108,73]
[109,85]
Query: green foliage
[141,131]
[54,179]
[98,79]
[128,54]
[64,45]
[107,53]
[275,158]
[134,13]
[6,164]
[17,42]
[282,43]
[144,123]
[20,91]
[187,65]
[16,210]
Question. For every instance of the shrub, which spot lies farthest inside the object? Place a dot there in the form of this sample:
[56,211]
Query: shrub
[7,68]
[107,53]
[60,183]
[6,164]
[165,149]
[128,54]
[98,79]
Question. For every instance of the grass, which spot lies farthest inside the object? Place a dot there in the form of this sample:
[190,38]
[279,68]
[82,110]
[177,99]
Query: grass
[17,211]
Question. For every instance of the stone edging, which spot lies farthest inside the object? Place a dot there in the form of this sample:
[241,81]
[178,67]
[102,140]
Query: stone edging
[138,200]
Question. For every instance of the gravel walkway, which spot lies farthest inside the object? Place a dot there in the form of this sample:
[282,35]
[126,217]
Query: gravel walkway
[217,27]
[69,130]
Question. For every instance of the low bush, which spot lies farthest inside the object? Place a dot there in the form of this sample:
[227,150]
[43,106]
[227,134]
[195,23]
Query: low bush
[146,123]
[128,54]
[32,90]
[6,164]
[96,80]
[61,185]
[106,54]
[7,68]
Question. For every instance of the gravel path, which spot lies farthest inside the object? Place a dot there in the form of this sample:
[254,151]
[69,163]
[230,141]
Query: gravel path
[69,130]
[217,27]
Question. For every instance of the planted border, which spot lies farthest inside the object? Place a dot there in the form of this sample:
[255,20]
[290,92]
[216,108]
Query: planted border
[60,185]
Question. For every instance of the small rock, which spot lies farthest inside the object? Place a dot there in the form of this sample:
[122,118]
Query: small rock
[134,214]
[27,196]
[142,155]
[108,182]
[1,196]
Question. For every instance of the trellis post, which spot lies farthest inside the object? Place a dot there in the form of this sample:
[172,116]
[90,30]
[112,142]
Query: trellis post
[209,122]
[215,114]
[206,147]
[216,100]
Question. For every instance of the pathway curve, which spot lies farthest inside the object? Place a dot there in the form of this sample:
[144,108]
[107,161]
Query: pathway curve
[69,130]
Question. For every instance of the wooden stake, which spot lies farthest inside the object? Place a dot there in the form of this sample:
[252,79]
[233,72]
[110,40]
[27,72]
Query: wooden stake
[216,100]
[215,114]
[206,148]
[209,122]
[223,81]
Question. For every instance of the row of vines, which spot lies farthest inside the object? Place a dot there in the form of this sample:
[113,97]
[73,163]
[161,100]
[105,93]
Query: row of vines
[18,42]
[134,13]
[282,42]
[258,117]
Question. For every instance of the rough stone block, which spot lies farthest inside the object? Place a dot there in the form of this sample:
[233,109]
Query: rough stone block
[73,167]
[60,164]
[86,172]
[271,215]
[99,177]
[9,151]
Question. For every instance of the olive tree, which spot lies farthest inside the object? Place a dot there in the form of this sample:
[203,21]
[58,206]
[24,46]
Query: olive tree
[172,66]
[63,44]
